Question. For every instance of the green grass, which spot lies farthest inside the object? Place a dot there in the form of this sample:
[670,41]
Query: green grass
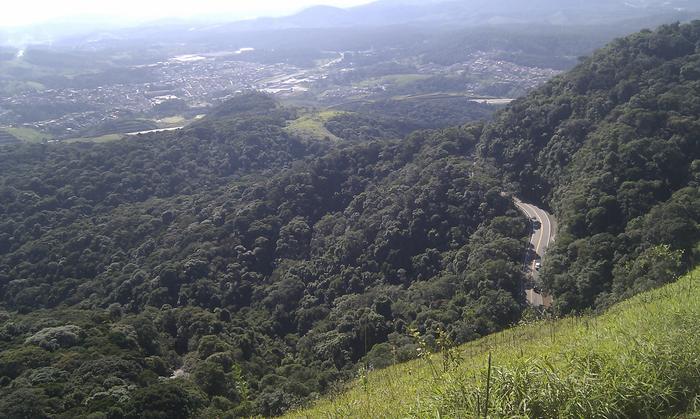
[172,121]
[312,126]
[29,135]
[639,359]
[101,139]
[400,80]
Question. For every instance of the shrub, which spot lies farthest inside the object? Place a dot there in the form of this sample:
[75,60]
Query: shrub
[52,338]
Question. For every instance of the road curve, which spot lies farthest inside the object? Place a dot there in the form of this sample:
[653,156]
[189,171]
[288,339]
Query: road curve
[540,240]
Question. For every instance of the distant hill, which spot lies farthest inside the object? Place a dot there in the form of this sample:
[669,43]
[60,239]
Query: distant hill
[429,13]
[480,12]
[404,24]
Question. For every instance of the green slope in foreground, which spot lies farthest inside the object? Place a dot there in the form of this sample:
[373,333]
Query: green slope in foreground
[639,359]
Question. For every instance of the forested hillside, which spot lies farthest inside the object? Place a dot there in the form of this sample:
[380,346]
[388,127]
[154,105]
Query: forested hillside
[260,266]
[232,268]
[593,366]
[614,148]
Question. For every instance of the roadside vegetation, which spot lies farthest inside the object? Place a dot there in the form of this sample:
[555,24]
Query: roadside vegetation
[613,147]
[639,359]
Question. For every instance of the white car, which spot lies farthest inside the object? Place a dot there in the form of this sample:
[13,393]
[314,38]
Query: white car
[538,265]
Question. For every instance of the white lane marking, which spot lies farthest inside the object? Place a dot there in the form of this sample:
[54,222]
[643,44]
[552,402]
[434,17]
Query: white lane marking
[549,231]
[539,242]
[552,233]
[534,298]
[531,211]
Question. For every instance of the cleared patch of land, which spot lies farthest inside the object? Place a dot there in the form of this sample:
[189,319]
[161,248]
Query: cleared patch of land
[29,135]
[312,126]
[101,139]
[394,79]
[498,101]
[171,121]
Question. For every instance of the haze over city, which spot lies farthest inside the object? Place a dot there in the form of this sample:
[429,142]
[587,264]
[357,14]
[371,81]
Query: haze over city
[37,11]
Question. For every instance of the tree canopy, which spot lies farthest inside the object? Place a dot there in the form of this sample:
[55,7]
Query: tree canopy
[231,268]
[613,148]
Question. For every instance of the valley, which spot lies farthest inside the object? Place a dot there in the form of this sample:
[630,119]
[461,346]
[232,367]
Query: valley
[189,86]
[315,215]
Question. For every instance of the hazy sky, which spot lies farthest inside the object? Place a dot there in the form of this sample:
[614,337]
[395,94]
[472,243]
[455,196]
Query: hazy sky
[24,12]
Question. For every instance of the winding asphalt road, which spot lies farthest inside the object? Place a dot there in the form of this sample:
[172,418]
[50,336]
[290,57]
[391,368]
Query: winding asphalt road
[542,237]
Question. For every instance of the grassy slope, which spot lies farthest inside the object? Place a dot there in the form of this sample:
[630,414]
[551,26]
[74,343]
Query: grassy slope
[395,79]
[28,134]
[639,359]
[101,139]
[312,126]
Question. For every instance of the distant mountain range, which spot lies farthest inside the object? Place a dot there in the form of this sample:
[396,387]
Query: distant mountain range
[448,13]
[479,12]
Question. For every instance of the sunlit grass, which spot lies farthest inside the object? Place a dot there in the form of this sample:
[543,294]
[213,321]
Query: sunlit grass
[101,139]
[29,135]
[639,359]
[400,80]
[312,126]
[177,120]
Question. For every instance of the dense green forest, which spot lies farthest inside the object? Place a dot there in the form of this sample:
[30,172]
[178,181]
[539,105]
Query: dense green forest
[263,266]
[230,268]
[403,116]
[614,148]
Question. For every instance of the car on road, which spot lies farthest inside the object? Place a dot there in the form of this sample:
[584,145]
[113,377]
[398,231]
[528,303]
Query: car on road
[536,223]
[538,265]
